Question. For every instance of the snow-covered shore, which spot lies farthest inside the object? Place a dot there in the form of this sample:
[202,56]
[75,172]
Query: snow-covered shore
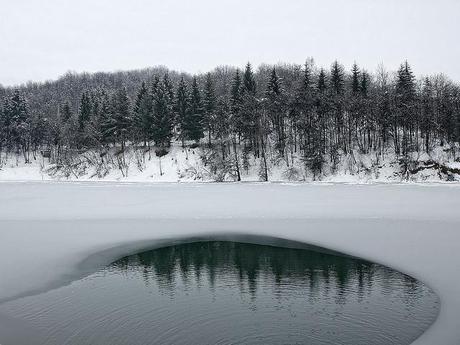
[49,229]
[194,165]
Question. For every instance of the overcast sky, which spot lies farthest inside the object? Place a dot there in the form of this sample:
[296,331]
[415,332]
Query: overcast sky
[43,39]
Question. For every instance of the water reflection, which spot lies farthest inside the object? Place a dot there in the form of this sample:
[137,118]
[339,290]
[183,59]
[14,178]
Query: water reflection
[233,293]
[203,263]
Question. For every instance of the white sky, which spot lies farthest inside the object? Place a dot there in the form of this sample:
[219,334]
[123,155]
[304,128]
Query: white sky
[43,39]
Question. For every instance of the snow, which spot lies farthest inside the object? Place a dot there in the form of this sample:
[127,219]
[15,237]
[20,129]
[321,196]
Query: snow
[186,165]
[51,232]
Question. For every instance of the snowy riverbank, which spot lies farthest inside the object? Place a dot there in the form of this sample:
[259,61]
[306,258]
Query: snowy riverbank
[197,164]
[49,229]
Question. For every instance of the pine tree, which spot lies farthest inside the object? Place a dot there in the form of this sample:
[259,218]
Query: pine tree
[66,112]
[249,83]
[337,83]
[236,100]
[274,85]
[275,108]
[19,122]
[307,88]
[154,86]
[182,108]
[85,111]
[313,157]
[249,112]
[364,84]
[354,104]
[337,79]
[122,117]
[427,111]
[405,84]
[5,122]
[168,87]
[322,86]
[301,112]
[39,128]
[106,123]
[445,108]
[405,99]
[143,114]
[163,115]
[322,110]
[194,122]
[456,96]
[355,82]
[93,126]
[209,105]
[3,131]
[365,111]
[323,115]
[236,122]
[222,123]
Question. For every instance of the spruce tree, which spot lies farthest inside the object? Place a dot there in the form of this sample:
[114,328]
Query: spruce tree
[182,108]
[355,82]
[301,112]
[209,105]
[66,112]
[332,113]
[122,117]
[93,127]
[354,104]
[405,99]
[222,121]
[249,111]
[249,83]
[427,111]
[364,84]
[85,111]
[154,86]
[366,111]
[322,86]
[321,109]
[456,100]
[3,126]
[275,108]
[19,123]
[313,157]
[236,100]
[163,115]
[106,123]
[236,122]
[194,122]
[337,83]
[143,114]
[337,78]
[39,128]
[168,87]
[309,122]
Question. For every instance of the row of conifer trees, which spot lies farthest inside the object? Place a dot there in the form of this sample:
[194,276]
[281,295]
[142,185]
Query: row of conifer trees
[297,111]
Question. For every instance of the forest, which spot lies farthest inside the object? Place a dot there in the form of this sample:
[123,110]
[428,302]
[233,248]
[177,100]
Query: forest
[305,117]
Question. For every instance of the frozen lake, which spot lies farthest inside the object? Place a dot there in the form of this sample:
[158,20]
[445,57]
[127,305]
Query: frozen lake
[56,233]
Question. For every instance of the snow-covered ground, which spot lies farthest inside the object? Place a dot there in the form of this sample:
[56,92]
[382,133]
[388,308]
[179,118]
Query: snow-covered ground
[49,230]
[187,165]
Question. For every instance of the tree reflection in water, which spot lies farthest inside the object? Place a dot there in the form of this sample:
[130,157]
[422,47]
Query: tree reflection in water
[234,293]
[251,265]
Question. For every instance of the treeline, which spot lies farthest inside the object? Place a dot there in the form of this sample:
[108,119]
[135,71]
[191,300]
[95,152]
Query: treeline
[285,111]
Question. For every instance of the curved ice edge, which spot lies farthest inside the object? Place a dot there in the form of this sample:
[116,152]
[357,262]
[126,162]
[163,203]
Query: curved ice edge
[99,259]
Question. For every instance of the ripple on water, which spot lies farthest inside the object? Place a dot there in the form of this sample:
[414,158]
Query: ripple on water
[220,292]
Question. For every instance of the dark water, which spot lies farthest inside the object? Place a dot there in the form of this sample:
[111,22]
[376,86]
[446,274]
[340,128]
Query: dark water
[232,293]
